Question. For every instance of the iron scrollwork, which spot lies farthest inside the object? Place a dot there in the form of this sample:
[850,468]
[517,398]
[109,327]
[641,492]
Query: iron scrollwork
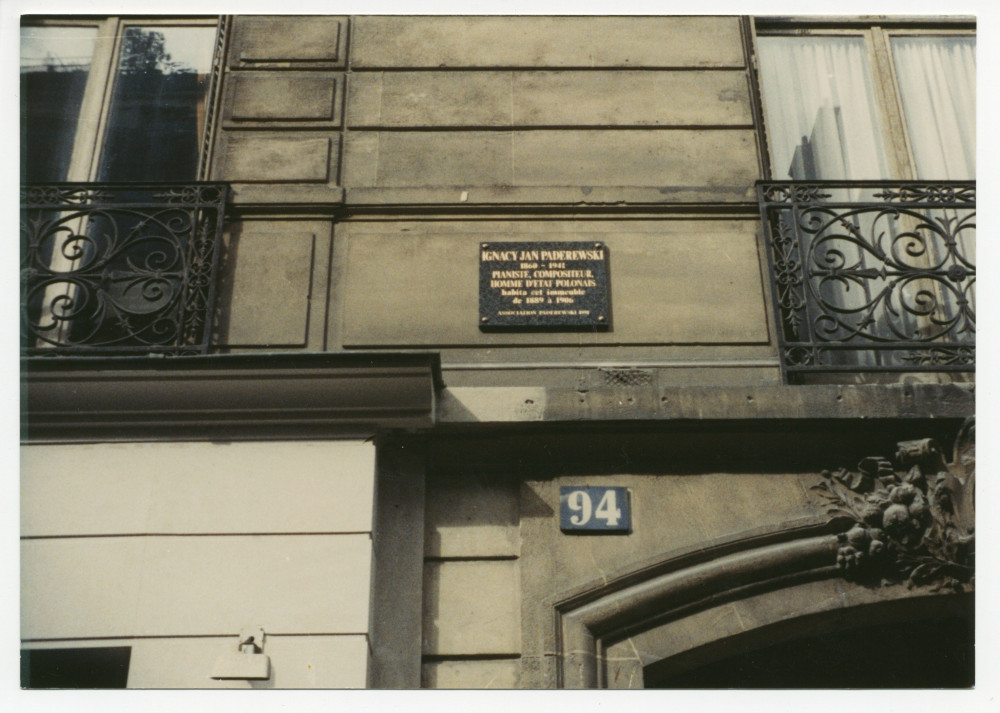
[117,268]
[872,276]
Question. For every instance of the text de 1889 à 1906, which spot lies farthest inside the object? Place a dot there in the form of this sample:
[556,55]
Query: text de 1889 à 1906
[539,285]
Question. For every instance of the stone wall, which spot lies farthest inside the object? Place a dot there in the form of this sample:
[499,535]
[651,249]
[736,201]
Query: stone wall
[636,132]
[500,575]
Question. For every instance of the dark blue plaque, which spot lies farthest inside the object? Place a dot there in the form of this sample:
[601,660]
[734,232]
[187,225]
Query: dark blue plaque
[594,509]
[552,285]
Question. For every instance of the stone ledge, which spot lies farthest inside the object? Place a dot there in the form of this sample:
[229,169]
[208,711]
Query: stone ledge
[511,405]
[736,196]
[278,195]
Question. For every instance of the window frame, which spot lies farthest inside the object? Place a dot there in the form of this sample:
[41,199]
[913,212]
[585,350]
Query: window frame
[95,108]
[877,34]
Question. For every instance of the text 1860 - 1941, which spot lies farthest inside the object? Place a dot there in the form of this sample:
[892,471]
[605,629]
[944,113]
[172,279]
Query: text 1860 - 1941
[552,284]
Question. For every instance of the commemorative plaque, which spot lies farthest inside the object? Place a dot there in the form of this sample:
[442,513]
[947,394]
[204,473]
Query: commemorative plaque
[543,285]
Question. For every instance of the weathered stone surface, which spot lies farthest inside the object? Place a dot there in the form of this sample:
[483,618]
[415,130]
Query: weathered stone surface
[271,288]
[394,99]
[669,512]
[691,395]
[688,284]
[546,42]
[457,158]
[506,197]
[397,601]
[624,670]
[472,515]
[256,158]
[822,605]
[547,98]
[667,159]
[667,98]
[269,195]
[276,96]
[284,38]
[470,674]
[468,371]
[455,622]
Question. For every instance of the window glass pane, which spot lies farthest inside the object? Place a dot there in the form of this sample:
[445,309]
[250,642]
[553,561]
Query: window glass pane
[158,108]
[821,114]
[937,82]
[104,667]
[55,63]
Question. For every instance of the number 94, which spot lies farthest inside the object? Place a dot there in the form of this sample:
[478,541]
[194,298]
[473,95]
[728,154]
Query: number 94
[581,504]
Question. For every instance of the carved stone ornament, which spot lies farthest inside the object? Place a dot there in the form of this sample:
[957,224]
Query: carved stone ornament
[909,520]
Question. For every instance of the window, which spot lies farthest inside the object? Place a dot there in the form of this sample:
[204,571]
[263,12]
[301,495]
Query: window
[870,103]
[114,99]
[870,221]
[104,667]
[119,256]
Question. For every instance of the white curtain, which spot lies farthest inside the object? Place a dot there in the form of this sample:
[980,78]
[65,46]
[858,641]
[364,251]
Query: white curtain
[823,124]
[937,81]
[820,110]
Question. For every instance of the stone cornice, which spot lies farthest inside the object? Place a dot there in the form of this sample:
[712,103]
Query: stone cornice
[226,397]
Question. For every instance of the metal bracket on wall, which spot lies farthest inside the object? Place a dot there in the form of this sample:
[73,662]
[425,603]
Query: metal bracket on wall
[247,662]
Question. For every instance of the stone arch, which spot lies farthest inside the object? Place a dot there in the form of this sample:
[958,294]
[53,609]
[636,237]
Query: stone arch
[691,607]
[898,543]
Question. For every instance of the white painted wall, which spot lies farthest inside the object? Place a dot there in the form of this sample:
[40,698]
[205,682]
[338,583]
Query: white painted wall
[184,544]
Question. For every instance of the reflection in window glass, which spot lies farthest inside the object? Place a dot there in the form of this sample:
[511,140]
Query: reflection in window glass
[158,108]
[55,63]
[937,82]
[820,109]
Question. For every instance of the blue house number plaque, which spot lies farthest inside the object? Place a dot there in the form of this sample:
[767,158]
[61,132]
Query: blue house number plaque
[594,509]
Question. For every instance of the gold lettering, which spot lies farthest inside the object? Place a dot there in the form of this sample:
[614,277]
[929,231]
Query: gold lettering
[498,255]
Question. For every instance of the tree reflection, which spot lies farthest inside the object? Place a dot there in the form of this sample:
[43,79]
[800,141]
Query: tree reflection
[145,51]
[156,113]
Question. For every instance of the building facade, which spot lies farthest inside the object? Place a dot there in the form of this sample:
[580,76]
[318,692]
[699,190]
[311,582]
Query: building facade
[515,352]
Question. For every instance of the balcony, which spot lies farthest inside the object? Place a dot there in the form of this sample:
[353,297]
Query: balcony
[119,268]
[872,276]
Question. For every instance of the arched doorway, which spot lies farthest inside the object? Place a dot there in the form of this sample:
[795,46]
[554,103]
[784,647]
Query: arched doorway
[935,652]
[811,603]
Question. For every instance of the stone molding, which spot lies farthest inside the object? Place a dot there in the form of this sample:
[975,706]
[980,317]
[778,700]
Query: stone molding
[587,621]
[231,396]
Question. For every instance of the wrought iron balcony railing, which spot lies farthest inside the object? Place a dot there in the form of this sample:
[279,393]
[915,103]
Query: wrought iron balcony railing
[872,276]
[119,268]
